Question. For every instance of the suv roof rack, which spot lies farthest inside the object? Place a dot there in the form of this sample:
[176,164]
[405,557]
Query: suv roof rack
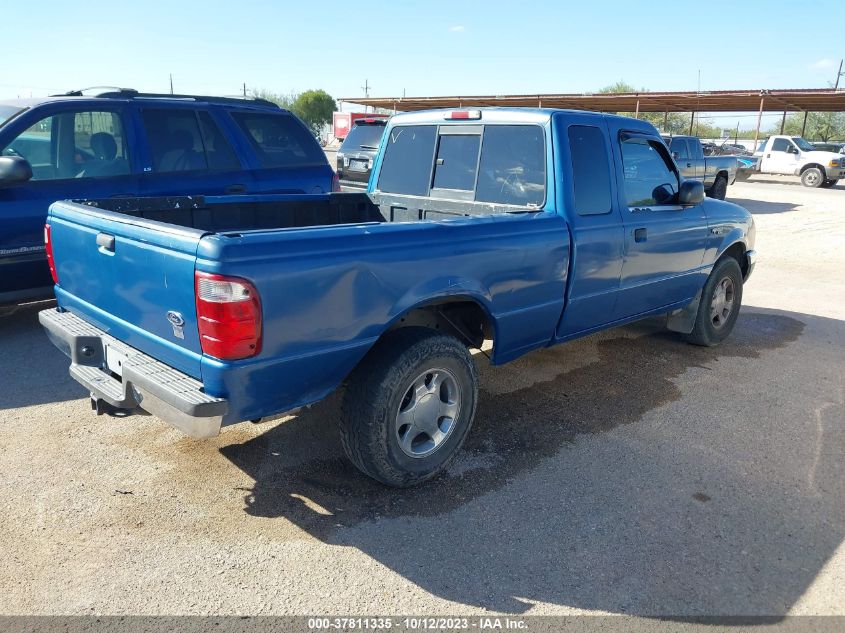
[113,92]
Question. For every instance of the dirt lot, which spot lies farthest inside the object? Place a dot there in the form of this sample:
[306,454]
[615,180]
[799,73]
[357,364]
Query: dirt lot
[623,473]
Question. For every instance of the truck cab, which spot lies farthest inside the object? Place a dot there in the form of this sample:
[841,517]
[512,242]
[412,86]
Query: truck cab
[794,156]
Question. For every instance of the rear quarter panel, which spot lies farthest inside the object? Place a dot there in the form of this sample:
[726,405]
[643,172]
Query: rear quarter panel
[328,293]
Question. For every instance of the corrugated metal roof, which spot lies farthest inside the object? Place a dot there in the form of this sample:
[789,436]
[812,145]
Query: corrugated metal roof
[798,100]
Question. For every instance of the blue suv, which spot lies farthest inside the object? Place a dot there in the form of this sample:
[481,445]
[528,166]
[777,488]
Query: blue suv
[120,142]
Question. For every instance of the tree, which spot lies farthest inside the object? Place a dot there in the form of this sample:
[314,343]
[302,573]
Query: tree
[315,108]
[283,101]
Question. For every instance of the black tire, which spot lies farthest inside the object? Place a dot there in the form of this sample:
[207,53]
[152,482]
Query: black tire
[708,329]
[719,189]
[812,177]
[827,184]
[379,387]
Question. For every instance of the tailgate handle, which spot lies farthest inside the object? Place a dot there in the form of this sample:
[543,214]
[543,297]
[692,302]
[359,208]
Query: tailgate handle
[105,242]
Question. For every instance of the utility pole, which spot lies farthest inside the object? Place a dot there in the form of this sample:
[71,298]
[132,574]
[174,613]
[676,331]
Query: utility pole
[244,90]
[171,83]
[366,88]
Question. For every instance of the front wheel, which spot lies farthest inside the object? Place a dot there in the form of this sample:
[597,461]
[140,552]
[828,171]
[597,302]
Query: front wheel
[409,406]
[812,177]
[720,302]
[719,189]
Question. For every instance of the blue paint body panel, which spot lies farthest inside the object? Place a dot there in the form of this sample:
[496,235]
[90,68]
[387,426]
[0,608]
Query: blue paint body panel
[328,293]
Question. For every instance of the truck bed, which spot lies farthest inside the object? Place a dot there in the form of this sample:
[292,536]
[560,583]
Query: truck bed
[227,214]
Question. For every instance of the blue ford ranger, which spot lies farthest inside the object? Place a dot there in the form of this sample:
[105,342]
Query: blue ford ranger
[119,143]
[522,227]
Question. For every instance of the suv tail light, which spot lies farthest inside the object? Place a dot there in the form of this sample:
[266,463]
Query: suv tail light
[335,183]
[229,316]
[48,246]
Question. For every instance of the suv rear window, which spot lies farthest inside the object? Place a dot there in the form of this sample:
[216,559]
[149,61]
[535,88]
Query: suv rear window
[279,140]
[186,140]
[364,136]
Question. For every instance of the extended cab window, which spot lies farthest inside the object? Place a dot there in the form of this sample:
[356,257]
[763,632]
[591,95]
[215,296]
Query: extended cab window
[279,140]
[85,144]
[406,166]
[648,177]
[513,165]
[590,170]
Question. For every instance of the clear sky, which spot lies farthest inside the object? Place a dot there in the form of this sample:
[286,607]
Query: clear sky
[423,48]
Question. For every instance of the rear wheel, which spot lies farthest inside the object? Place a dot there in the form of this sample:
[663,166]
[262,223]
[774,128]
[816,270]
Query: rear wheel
[827,184]
[719,189]
[720,302]
[409,406]
[812,177]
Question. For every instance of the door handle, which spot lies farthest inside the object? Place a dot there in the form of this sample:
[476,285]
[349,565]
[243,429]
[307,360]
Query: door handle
[640,235]
[236,189]
[105,242]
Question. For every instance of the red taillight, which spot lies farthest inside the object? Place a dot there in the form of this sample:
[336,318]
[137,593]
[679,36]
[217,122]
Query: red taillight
[48,246]
[229,316]
[335,183]
[463,115]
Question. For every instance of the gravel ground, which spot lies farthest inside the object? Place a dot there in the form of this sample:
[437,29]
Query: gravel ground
[625,473]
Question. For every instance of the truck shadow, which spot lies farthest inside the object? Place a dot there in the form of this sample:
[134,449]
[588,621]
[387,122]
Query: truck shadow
[664,522]
[762,207]
[33,371]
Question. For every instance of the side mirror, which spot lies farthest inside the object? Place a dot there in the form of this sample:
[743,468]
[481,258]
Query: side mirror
[14,169]
[691,192]
[792,149]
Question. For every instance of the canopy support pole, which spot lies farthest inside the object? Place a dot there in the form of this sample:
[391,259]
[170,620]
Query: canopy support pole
[759,120]
[804,125]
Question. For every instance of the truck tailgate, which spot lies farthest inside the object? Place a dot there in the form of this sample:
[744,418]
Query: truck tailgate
[132,277]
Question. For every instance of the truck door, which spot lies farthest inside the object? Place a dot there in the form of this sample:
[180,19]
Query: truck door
[664,241]
[781,157]
[681,153]
[589,196]
[76,152]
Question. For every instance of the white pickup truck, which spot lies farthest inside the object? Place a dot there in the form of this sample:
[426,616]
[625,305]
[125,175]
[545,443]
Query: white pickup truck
[793,156]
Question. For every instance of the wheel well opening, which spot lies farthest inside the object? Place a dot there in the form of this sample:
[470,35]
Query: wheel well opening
[466,320]
[737,251]
[810,166]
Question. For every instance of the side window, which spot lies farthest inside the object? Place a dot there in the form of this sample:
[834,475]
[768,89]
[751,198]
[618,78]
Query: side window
[218,152]
[174,139]
[781,145]
[513,166]
[678,147]
[648,177]
[590,170]
[406,165]
[89,144]
[279,140]
[457,161]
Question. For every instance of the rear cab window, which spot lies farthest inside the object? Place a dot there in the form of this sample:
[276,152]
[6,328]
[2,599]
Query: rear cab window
[491,163]
[279,139]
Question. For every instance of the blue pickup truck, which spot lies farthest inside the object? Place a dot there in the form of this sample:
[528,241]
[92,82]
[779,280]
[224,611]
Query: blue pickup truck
[522,227]
[118,142]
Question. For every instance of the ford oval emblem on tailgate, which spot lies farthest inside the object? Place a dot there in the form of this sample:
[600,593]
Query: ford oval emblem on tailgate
[178,323]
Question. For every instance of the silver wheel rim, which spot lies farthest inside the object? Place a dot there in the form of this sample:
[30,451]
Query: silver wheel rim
[723,303]
[812,178]
[428,412]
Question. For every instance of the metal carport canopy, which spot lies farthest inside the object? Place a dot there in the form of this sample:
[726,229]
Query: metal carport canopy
[799,100]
